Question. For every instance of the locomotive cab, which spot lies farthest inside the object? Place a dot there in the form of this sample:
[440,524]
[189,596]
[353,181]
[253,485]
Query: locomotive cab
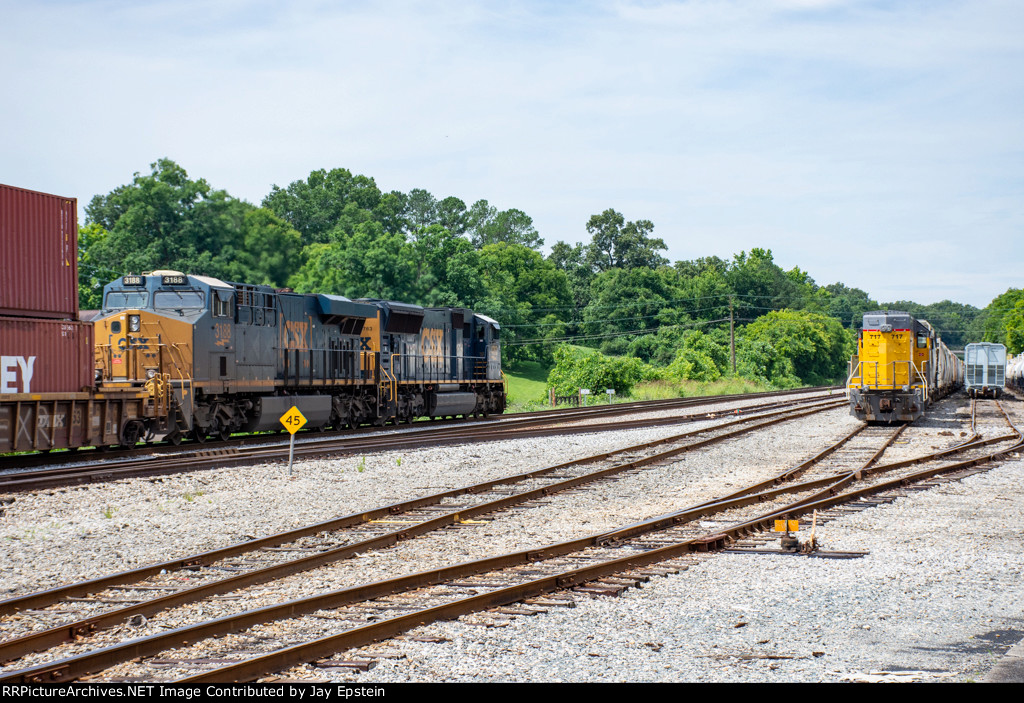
[146,338]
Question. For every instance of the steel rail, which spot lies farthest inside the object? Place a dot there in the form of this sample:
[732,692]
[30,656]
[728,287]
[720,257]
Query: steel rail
[78,475]
[40,640]
[50,596]
[567,414]
[72,667]
[325,646]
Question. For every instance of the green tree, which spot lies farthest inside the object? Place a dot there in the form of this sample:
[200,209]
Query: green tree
[616,243]
[577,368]
[759,284]
[371,263]
[632,302]
[420,209]
[165,220]
[328,205]
[487,225]
[817,346]
[846,304]
[453,215]
[1013,326]
[91,275]
[524,292]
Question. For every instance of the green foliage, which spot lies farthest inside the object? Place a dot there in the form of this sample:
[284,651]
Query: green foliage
[337,232]
[993,320]
[489,226]
[703,357]
[693,364]
[759,283]
[817,346]
[761,362]
[167,221]
[847,305]
[518,284]
[616,243]
[577,368]
[328,205]
[1013,325]
[625,300]
[91,275]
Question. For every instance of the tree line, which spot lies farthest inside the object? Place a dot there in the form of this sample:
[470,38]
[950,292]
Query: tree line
[615,293]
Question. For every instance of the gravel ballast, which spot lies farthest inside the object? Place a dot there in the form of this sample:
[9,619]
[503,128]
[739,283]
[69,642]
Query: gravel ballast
[938,594]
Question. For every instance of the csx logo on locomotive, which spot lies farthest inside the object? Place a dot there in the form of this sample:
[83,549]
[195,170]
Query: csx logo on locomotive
[431,344]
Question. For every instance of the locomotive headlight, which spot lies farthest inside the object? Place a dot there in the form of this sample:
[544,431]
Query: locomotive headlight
[150,373]
[134,324]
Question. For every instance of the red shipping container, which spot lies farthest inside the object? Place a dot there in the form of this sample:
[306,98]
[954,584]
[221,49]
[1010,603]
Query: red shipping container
[38,254]
[45,356]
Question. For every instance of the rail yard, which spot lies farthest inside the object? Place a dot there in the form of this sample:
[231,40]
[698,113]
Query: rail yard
[869,533]
[905,580]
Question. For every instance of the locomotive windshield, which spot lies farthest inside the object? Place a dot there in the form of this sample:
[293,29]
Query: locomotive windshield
[178,299]
[125,299]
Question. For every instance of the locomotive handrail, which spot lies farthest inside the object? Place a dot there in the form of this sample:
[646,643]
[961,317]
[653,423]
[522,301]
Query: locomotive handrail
[892,376]
[920,374]
[849,379]
[390,380]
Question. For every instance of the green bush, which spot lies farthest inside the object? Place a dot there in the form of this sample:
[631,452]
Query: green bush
[577,368]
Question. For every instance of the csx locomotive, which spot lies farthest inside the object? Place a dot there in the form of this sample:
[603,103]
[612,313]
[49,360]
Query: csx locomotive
[901,366]
[219,357]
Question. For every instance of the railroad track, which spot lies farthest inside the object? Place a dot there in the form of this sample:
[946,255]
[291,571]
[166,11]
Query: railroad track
[344,537]
[532,573]
[102,469]
[268,440]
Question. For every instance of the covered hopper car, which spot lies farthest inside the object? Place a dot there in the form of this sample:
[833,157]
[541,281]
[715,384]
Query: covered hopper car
[986,369]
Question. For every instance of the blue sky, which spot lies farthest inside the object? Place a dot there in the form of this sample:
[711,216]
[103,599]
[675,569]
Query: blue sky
[875,143]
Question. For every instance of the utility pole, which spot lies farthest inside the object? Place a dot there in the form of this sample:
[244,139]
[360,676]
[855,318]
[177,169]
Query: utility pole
[732,338]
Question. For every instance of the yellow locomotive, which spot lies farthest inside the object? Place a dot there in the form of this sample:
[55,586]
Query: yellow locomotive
[900,367]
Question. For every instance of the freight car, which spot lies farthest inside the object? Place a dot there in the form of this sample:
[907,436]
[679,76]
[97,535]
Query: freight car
[228,357]
[986,369]
[47,394]
[900,367]
[1015,372]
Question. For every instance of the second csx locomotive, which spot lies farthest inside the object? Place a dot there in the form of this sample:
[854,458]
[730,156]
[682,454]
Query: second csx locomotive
[901,366]
[229,357]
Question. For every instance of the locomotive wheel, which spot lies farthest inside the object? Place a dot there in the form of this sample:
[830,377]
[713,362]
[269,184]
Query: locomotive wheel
[224,434]
[199,436]
[174,437]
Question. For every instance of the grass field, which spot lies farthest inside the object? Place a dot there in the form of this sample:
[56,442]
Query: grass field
[527,388]
[527,383]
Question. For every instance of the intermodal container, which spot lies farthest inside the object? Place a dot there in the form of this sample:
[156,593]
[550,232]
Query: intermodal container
[38,254]
[45,356]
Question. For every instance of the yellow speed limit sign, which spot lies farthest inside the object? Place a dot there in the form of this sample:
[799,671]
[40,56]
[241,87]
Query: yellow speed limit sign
[293,420]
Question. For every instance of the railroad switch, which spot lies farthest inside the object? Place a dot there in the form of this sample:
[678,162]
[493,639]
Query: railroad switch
[792,543]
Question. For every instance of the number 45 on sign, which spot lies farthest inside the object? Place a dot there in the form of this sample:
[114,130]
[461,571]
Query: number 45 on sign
[293,421]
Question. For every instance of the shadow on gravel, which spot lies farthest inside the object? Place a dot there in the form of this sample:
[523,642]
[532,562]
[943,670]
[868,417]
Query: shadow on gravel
[994,642]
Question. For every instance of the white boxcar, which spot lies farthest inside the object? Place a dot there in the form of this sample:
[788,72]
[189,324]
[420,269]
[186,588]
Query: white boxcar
[986,369]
